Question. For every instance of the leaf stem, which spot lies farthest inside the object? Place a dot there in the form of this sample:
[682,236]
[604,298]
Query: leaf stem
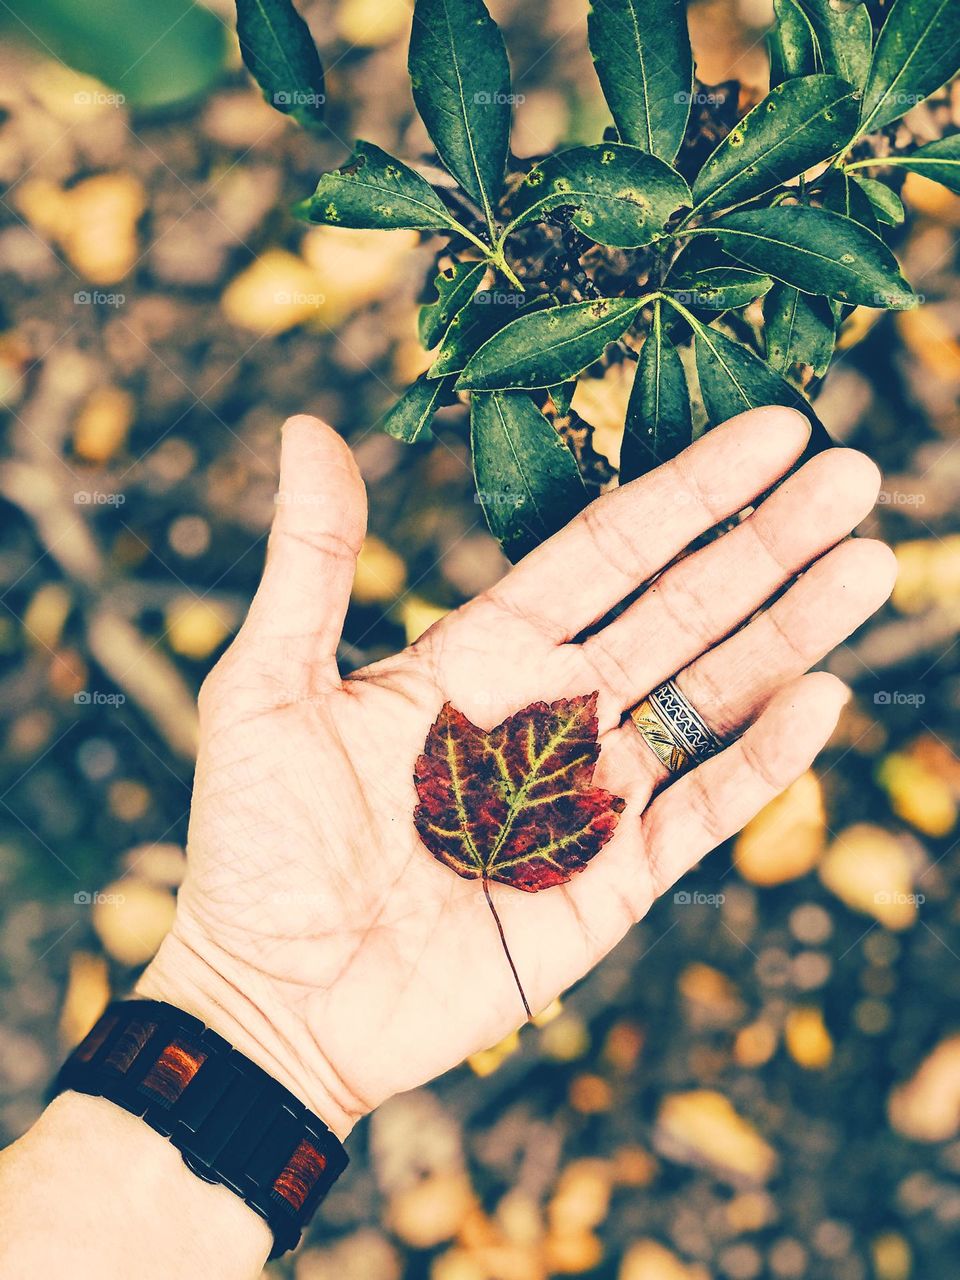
[506,949]
[493,252]
[500,262]
[872,160]
[467,234]
[690,318]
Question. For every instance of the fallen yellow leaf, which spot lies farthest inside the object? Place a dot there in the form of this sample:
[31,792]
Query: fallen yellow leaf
[868,869]
[786,839]
[807,1039]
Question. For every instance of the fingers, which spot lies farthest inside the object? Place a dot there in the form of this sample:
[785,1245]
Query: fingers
[706,807]
[702,598]
[628,535]
[318,527]
[732,683]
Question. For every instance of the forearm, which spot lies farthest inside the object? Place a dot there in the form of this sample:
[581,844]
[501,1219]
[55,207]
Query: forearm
[92,1191]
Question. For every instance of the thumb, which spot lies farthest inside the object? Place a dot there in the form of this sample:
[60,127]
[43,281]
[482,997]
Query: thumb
[319,524]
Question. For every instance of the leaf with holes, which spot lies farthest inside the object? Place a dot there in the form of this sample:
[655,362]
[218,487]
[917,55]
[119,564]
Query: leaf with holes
[548,346]
[800,123]
[374,189]
[621,195]
[455,287]
[516,804]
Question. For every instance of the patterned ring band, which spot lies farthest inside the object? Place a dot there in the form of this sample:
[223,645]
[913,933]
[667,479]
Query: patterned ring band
[673,729]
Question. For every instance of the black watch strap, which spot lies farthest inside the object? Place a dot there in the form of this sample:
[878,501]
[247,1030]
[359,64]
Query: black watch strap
[231,1122]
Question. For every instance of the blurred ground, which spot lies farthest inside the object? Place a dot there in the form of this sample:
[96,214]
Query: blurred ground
[764,1079]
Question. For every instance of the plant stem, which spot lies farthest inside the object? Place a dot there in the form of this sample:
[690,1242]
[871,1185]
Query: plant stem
[691,319]
[506,949]
[500,262]
[492,252]
[461,230]
[871,160]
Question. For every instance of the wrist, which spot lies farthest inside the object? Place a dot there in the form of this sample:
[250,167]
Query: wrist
[91,1191]
[249,1013]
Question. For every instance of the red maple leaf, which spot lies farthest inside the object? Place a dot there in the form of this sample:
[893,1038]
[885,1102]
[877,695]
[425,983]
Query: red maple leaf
[516,804]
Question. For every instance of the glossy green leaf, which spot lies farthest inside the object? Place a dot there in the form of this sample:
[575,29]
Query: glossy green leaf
[278,51]
[917,51]
[155,55]
[840,194]
[799,331]
[939,161]
[658,423]
[734,379]
[706,279]
[622,195]
[800,123]
[455,287]
[409,419]
[817,251]
[562,396]
[527,479]
[461,85]
[791,44]
[486,313]
[375,190]
[886,204]
[641,49]
[549,346]
[843,37]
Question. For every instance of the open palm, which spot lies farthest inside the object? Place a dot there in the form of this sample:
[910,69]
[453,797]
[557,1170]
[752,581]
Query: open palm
[314,928]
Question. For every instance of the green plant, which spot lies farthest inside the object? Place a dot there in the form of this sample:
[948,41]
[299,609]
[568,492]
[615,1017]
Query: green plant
[154,56]
[729,272]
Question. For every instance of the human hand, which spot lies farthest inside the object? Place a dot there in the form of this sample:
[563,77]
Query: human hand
[314,930]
